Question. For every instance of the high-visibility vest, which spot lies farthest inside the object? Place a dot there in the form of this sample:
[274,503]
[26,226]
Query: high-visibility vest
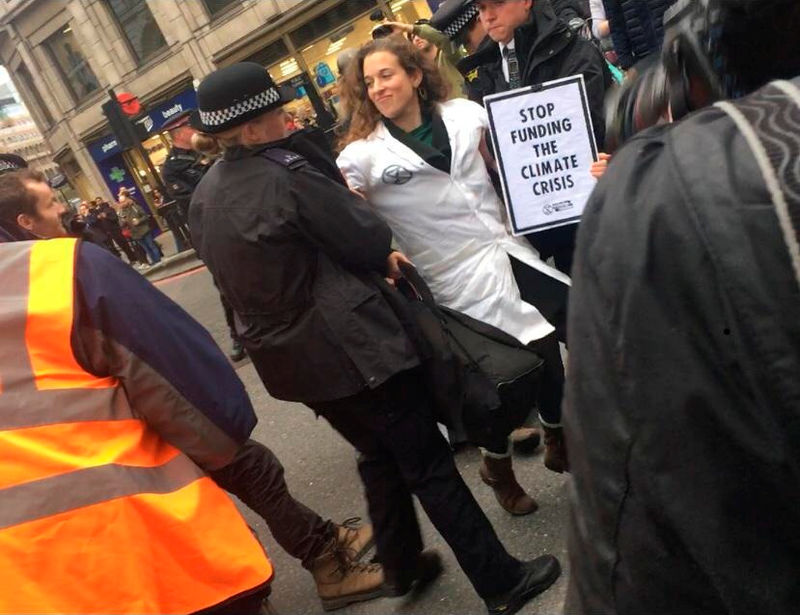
[98,514]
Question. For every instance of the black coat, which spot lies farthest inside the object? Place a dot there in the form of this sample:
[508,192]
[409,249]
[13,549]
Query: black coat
[637,27]
[682,411]
[182,171]
[296,255]
[546,50]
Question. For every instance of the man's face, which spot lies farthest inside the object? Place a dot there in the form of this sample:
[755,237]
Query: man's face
[501,17]
[47,221]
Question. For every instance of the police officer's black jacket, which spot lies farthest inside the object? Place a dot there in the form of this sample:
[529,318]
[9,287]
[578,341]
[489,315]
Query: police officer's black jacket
[297,254]
[682,410]
[182,171]
[546,50]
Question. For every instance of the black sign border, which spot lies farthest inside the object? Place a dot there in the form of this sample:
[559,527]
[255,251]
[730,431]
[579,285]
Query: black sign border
[521,92]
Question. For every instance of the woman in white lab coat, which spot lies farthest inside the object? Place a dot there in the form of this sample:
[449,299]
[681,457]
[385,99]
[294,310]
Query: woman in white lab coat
[421,162]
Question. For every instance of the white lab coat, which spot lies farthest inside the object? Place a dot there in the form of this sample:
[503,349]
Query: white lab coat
[450,226]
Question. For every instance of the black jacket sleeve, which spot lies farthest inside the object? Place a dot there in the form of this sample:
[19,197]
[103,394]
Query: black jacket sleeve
[339,222]
[587,60]
[619,32]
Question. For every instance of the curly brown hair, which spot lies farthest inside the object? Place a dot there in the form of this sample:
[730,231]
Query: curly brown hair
[364,116]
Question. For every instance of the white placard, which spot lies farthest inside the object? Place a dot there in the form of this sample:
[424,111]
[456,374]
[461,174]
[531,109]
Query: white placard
[544,145]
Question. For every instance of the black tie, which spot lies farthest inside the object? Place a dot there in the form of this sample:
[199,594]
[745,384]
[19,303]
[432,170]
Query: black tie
[513,68]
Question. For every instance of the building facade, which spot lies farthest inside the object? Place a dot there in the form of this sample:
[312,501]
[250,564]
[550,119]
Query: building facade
[65,55]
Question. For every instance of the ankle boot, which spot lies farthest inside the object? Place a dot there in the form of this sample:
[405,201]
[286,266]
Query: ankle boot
[525,439]
[341,579]
[535,577]
[499,475]
[555,450]
[356,538]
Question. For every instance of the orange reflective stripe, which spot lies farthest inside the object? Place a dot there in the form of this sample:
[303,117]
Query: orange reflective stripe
[40,452]
[50,314]
[174,553]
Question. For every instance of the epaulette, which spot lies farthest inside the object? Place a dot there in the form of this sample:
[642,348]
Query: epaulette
[471,75]
[284,157]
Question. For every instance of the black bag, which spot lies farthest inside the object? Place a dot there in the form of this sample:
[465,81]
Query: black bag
[480,377]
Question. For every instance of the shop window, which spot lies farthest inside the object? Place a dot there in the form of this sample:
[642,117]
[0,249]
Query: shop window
[269,55]
[139,27]
[333,19]
[26,80]
[409,11]
[216,7]
[75,72]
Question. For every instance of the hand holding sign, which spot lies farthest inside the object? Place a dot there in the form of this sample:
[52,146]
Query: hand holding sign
[545,148]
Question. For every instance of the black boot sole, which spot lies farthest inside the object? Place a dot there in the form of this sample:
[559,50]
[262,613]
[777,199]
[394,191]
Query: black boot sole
[515,604]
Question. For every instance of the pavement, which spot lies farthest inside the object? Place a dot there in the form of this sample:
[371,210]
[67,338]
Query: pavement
[321,472]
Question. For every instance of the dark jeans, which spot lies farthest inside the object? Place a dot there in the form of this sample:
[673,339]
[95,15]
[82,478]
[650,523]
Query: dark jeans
[255,476]
[115,233]
[403,453]
[149,245]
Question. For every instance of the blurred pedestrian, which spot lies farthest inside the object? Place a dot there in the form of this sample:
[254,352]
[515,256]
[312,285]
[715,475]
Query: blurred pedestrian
[302,260]
[107,220]
[683,394]
[136,220]
[445,215]
[121,442]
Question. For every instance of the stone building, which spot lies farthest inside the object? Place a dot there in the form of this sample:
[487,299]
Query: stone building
[65,55]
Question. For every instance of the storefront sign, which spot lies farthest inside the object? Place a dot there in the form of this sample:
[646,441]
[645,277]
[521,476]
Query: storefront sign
[103,148]
[545,147]
[116,175]
[157,117]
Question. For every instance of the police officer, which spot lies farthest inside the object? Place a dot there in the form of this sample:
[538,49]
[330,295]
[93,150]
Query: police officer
[182,171]
[529,43]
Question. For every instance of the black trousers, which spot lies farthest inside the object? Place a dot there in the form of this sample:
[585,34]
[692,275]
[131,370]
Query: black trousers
[546,294]
[255,476]
[403,453]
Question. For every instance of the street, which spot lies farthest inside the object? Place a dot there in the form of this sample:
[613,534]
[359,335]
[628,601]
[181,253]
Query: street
[321,472]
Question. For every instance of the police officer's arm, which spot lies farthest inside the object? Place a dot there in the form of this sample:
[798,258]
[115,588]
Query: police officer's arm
[339,222]
[173,373]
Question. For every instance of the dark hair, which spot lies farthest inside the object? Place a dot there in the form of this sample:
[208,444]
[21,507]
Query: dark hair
[364,116]
[759,40]
[15,198]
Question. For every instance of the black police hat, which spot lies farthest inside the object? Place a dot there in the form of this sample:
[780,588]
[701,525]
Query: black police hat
[233,95]
[12,162]
[453,15]
[178,121]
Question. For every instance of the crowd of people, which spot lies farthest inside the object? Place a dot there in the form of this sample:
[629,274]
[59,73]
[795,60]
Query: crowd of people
[675,300]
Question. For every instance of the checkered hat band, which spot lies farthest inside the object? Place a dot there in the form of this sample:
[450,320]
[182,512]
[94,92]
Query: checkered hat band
[5,165]
[461,21]
[223,116]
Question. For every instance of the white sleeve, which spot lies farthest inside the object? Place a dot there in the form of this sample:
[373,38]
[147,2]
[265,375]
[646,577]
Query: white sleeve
[349,164]
[598,15]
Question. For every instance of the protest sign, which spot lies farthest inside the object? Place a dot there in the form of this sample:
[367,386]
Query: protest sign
[544,145]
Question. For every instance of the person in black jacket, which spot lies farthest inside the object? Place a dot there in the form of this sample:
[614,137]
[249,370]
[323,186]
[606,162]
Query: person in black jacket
[682,409]
[302,260]
[542,48]
[637,28]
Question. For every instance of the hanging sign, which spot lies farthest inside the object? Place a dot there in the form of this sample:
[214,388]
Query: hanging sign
[544,145]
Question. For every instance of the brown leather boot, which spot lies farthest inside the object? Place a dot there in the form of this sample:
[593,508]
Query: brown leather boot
[555,450]
[499,475]
[355,537]
[525,439]
[341,579]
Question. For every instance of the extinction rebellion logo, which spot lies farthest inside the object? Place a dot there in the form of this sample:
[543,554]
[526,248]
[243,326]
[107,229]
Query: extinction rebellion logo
[395,174]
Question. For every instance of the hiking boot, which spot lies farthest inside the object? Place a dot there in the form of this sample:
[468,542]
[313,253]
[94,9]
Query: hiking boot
[399,582]
[341,580]
[354,537]
[237,351]
[537,576]
[555,450]
[499,475]
[526,439]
